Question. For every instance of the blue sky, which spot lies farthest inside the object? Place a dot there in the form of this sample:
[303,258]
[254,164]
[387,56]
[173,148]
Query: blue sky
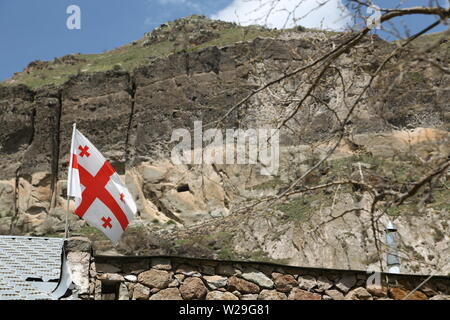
[36,30]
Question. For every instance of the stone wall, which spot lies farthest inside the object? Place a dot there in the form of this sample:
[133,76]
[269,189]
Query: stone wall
[175,278]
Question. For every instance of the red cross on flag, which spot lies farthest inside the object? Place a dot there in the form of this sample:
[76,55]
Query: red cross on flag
[100,196]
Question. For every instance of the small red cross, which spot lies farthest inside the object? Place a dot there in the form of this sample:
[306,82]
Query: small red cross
[107,222]
[84,151]
[122,196]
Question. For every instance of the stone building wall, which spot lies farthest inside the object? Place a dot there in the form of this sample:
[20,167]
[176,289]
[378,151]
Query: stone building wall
[175,278]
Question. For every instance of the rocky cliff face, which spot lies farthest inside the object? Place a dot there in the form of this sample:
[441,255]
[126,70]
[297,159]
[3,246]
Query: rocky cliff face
[196,210]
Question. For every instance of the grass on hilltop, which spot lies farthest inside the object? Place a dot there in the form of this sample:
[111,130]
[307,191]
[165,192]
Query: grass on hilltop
[127,57]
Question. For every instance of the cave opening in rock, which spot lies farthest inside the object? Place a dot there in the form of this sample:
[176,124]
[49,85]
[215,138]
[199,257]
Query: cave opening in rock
[183,188]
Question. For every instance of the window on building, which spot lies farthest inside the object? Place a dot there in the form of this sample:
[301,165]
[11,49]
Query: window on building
[110,290]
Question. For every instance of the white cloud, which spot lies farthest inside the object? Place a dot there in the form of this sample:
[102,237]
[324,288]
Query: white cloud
[323,14]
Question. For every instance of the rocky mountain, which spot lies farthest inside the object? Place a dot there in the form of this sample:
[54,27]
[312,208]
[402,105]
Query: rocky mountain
[130,100]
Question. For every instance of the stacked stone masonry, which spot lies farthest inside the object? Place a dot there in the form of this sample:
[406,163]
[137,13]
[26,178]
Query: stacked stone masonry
[176,278]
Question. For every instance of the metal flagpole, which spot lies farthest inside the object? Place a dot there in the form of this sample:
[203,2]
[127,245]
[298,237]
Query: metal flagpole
[66,233]
[69,179]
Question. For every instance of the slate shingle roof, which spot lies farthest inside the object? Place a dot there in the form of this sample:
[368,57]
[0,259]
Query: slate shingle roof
[29,267]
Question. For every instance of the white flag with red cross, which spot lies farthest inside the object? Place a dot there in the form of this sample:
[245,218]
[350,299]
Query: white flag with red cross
[100,196]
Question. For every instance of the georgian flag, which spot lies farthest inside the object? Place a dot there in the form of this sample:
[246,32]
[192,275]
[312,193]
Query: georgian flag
[100,196]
